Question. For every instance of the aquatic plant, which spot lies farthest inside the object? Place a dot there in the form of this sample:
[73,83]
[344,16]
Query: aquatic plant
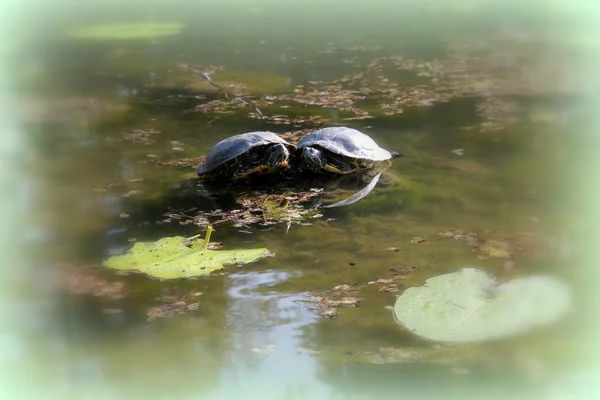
[179,257]
[128,31]
[469,305]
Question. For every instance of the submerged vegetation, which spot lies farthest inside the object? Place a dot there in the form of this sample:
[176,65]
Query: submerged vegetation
[142,30]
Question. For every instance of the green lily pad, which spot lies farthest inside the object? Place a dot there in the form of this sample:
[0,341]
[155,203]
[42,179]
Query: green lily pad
[174,257]
[468,305]
[128,31]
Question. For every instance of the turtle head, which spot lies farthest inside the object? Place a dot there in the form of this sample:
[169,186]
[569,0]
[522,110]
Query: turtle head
[276,156]
[313,159]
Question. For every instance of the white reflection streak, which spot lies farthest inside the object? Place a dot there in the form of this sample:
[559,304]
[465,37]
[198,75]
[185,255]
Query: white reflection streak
[267,327]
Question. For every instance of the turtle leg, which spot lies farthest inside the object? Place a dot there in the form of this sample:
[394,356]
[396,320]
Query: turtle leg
[340,165]
[253,163]
[336,170]
[246,165]
[249,172]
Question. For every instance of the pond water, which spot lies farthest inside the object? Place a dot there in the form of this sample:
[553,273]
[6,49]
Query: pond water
[479,97]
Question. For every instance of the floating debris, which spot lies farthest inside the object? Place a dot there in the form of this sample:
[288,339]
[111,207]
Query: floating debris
[509,265]
[496,249]
[131,193]
[330,313]
[174,306]
[280,119]
[462,235]
[182,162]
[328,307]
[296,135]
[396,249]
[497,114]
[391,84]
[255,207]
[498,244]
[217,107]
[436,354]
[142,136]
[400,272]
[344,302]
[79,279]
[386,284]
[344,289]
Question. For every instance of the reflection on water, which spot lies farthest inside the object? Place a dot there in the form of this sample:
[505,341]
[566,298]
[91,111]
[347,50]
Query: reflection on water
[266,326]
[113,132]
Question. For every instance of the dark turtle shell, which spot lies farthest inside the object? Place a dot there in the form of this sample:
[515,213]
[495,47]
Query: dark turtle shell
[346,142]
[228,150]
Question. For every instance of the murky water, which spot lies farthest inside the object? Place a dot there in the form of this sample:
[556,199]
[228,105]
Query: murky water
[479,104]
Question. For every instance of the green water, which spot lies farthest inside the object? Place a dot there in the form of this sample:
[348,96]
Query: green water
[254,334]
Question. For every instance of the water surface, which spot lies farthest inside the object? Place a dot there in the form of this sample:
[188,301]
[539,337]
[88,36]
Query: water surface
[480,105]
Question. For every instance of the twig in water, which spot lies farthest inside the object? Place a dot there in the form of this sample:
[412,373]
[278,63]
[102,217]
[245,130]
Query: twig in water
[205,77]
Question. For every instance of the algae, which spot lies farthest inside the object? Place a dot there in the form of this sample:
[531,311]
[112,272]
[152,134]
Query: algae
[127,31]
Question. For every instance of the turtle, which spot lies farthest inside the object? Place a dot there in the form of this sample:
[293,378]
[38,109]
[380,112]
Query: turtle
[246,155]
[340,150]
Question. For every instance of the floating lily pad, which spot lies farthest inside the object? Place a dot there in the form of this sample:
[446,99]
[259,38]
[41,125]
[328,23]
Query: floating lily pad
[128,31]
[469,305]
[173,257]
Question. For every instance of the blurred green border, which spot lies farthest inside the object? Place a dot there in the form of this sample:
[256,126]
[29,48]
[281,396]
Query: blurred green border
[586,197]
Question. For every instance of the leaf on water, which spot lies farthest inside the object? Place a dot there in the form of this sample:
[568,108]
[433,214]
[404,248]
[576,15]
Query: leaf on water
[128,31]
[468,305]
[171,257]
[496,249]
